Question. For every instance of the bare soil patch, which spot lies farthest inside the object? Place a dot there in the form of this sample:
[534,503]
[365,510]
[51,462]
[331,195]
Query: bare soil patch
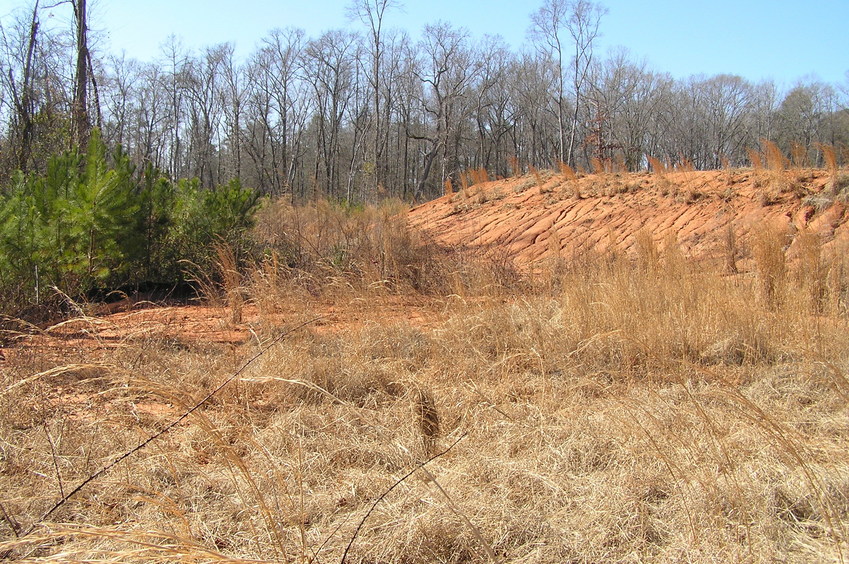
[694,210]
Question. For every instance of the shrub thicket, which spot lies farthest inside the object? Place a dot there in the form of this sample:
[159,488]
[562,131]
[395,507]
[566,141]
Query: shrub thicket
[92,221]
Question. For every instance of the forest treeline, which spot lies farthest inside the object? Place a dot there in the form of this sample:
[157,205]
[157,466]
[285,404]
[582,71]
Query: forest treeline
[361,114]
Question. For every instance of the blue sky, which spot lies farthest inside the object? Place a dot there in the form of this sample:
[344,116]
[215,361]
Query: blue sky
[757,39]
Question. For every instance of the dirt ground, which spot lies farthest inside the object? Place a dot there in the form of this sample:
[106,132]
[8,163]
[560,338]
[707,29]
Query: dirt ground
[531,219]
[198,324]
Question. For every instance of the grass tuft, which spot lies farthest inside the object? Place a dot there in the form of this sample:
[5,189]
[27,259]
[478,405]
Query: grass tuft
[571,179]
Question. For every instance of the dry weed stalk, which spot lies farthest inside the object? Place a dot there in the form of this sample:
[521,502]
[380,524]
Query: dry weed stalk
[658,168]
[775,182]
[555,241]
[684,165]
[570,178]
[775,159]
[265,282]
[662,183]
[479,175]
[538,179]
[231,280]
[755,159]
[648,255]
[537,176]
[799,156]
[812,271]
[729,172]
[731,249]
[597,166]
[829,157]
[426,420]
[515,167]
[674,261]
[771,264]
[465,184]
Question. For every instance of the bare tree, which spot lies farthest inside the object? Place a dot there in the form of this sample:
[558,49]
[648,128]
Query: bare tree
[396,60]
[329,64]
[279,62]
[764,102]
[805,115]
[347,113]
[120,88]
[580,19]
[728,100]
[626,97]
[205,90]
[534,135]
[447,71]
[21,91]
[408,110]
[372,13]
[175,65]
[150,123]
[34,72]
[492,99]
[233,105]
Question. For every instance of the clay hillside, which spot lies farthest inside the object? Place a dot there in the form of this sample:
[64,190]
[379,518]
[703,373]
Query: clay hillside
[711,215]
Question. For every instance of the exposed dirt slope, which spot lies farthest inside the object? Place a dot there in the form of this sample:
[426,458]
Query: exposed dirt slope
[536,217]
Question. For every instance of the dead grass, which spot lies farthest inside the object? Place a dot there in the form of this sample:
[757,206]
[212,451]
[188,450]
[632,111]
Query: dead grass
[777,179]
[630,409]
[837,182]
[662,182]
[515,166]
[570,179]
[327,249]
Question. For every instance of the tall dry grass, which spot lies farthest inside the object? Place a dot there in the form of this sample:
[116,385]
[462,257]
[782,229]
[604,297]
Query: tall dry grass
[330,251]
[571,179]
[598,166]
[515,166]
[771,264]
[657,166]
[778,179]
[323,245]
[837,182]
[641,407]
[755,159]
[776,161]
[799,156]
[447,187]
[662,182]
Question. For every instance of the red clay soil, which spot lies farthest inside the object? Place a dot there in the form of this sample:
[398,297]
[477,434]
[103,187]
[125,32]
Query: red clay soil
[204,325]
[695,209]
[78,342]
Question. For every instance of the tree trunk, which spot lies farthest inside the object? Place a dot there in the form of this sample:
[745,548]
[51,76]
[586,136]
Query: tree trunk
[24,102]
[80,118]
